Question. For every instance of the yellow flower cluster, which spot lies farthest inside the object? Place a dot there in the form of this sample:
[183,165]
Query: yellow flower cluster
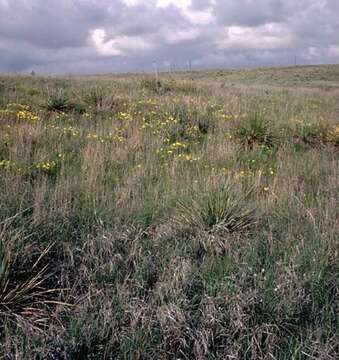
[244,173]
[27,116]
[186,157]
[7,164]
[193,133]
[147,102]
[221,114]
[157,122]
[46,165]
[171,148]
[177,145]
[87,115]
[333,134]
[61,116]
[124,116]
[227,117]
[20,112]
[111,137]
[259,172]
[70,130]
[106,138]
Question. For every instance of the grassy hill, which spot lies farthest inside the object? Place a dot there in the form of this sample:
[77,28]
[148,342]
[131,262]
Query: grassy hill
[325,76]
[190,217]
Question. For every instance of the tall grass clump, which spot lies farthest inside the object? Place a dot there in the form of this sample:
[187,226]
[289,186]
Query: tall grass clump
[312,133]
[26,294]
[3,97]
[95,97]
[155,85]
[219,210]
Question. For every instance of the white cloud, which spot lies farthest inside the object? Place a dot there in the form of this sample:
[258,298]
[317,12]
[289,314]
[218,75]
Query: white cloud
[183,4]
[313,52]
[334,50]
[104,47]
[265,37]
[211,33]
[175,37]
[202,17]
[199,17]
[119,45]
[133,2]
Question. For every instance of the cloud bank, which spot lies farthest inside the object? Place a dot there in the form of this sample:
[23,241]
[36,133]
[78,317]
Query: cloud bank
[101,36]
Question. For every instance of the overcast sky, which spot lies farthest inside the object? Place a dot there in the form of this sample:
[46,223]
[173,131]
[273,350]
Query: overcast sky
[101,36]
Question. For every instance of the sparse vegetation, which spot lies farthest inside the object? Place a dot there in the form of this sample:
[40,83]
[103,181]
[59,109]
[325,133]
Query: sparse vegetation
[178,219]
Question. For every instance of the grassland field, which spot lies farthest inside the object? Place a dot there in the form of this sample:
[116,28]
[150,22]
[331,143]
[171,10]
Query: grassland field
[192,215]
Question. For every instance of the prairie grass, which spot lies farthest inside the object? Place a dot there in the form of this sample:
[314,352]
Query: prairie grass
[190,217]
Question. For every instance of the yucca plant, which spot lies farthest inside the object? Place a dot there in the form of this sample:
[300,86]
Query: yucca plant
[254,130]
[219,211]
[58,101]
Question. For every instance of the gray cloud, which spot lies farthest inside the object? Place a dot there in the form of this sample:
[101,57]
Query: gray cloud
[97,36]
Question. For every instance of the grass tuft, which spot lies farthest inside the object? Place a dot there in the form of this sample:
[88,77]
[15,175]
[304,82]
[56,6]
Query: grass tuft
[25,295]
[219,210]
